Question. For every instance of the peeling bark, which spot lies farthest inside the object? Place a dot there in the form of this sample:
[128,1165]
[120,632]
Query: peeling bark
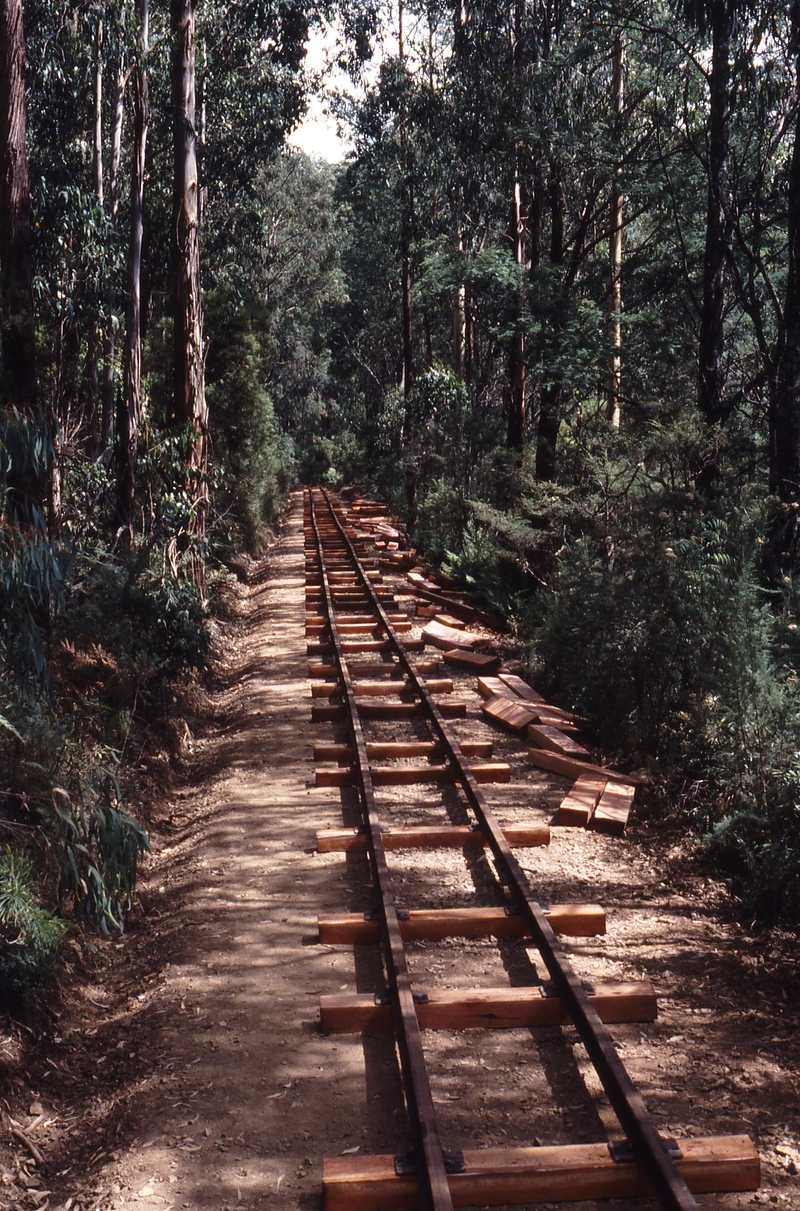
[615,248]
[109,341]
[711,373]
[92,357]
[27,489]
[784,435]
[130,412]
[189,369]
[18,342]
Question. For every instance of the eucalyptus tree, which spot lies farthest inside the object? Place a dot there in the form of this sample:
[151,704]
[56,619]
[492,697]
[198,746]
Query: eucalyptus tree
[27,439]
[121,76]
[785,405]
[18,340]
[717,19]
[512,156]
[251,91]
[189,399]
[614,302]
[130,409]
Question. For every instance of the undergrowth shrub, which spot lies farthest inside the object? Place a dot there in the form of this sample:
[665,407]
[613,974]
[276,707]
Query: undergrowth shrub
[29,933]
[91,848]
[658,628]
[256,460]
[332,461]
[62,797]
[89,638]
[167,622]
[635,584]
[69,843]
[32,566]
[442,518]
[759,849]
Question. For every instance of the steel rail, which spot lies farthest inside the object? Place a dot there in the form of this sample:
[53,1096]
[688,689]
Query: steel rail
[419,1099]
[649,1149]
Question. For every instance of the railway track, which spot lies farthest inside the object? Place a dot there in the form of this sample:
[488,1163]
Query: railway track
[366,676]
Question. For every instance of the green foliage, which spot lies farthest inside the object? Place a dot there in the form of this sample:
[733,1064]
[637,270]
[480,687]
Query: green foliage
[255,457]
[131,627]
[336,460]
[62,795]
[450,534]
[29,934]
[167,621]
[442,520]
[294,291]
[655,625]
[638,594]
[665,642]
[91,848]
[32,567]
[760,852]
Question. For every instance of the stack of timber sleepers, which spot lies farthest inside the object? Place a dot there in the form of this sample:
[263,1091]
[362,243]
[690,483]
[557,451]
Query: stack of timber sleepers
[390,541]
[596,803]
[546,726]
[600,798]
[446,638]
[450,600]
[473,662]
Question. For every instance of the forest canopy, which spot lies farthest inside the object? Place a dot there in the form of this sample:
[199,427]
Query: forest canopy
[548,306]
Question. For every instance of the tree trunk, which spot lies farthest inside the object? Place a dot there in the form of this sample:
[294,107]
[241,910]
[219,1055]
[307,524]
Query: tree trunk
[26,488]
[408,384]
[515,435]
[469,340]
[130,412]
[515,438]
[408,343]
[459,304]
[189,369]
[93,389]
[92,356]
[18,339]
[460,330]
[109,341]
[550,401]
[614,303]
[98,114]
[536,210]
[711,376]
[784,437]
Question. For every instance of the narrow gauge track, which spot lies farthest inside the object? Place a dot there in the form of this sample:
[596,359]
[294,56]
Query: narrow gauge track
[348,615]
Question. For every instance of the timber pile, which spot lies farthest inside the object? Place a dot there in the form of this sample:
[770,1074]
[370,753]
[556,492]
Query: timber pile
[600,798]
[445,598]
[462,658]
[446,638]
[390,542]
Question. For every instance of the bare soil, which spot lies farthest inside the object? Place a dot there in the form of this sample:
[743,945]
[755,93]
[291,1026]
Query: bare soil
[181,1066]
